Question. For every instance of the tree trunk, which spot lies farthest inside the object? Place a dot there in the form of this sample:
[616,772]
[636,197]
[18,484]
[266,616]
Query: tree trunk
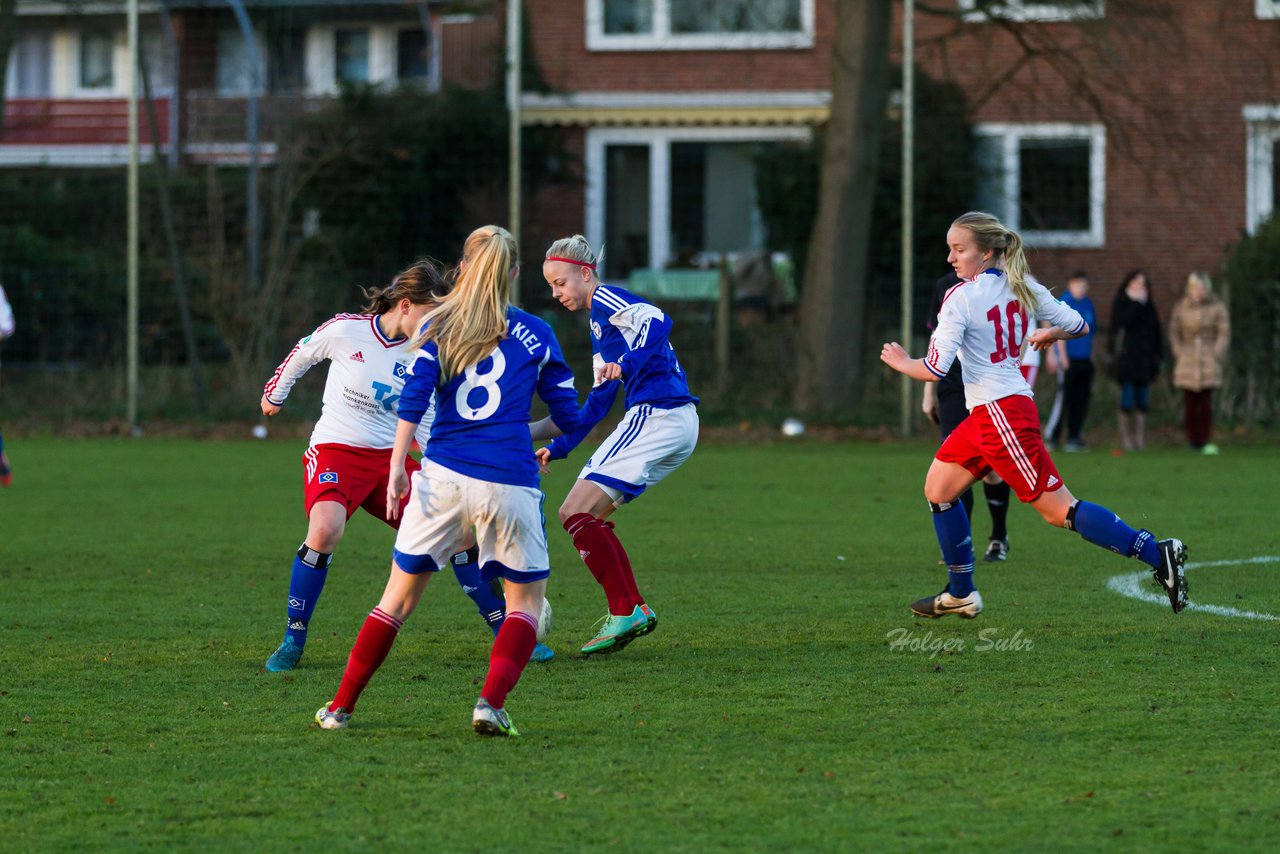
[8,31]
[833,303]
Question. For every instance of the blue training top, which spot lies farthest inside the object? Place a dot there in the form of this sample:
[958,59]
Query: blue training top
[1082,348]
[481,427]
[636,335]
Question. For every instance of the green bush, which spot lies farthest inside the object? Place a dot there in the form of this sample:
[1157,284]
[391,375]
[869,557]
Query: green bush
[1250,284]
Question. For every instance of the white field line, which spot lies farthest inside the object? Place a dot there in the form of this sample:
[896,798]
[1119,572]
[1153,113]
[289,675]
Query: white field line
[1132,585]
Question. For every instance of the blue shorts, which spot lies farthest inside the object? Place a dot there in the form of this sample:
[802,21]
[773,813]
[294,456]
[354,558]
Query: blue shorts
[1134,396]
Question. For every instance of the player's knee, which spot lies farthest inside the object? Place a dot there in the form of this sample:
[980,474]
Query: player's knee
[936,496]
[323,535]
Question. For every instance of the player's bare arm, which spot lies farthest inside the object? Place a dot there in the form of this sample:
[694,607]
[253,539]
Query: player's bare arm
[1044,338]
[540,431]
[895,356]
[397,477]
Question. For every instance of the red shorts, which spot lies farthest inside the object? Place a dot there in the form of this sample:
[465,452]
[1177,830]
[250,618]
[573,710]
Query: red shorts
[354,477]
[1004,436]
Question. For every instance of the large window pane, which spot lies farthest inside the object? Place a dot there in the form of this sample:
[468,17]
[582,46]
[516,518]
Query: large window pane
[628,17]
[288,69]
[713,200]
[235,63]
[33,64]
[988,154]
[1275,176]
[351,56]
[1054,185]
[735,16]
[626,205]
[97,60]
[411,56]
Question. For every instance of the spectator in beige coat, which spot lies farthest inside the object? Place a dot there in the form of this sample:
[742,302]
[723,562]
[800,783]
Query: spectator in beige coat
[1199,335]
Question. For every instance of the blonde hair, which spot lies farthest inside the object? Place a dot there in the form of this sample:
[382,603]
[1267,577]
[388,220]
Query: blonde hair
[576,248]
[1008,253]
[1203,279]
[472,319]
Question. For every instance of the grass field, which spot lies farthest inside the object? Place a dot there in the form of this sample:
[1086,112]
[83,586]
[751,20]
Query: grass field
[143,583]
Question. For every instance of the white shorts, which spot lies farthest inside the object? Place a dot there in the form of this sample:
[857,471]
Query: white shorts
[647,445]
[444,505]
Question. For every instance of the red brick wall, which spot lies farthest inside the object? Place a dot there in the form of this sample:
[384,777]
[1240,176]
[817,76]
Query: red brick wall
[558,34]
[1170,77]
[1172,92]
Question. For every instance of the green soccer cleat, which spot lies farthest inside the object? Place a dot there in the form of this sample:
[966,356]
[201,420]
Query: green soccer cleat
[651,617]
[486,720]
[285,658]
[616,632]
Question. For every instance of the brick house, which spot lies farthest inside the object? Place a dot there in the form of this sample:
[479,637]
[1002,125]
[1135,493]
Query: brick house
[1144,135]
[69,69]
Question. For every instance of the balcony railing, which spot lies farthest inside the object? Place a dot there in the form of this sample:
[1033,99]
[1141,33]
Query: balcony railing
[98,121]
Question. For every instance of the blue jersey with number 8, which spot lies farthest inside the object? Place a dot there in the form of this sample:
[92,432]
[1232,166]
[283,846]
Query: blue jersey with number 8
[482,414]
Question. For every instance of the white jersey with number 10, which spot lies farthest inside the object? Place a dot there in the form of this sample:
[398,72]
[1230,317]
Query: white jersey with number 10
[982,323]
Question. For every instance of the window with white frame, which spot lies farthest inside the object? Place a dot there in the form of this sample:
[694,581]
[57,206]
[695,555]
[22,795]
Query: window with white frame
[663,196]
[1046,181]
[1262,150]
[1267,8]
[1034,10]
[368,53]
[699,24]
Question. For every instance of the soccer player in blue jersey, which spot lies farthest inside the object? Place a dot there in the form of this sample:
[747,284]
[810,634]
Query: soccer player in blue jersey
[345,466]
[483,359]
[631,348]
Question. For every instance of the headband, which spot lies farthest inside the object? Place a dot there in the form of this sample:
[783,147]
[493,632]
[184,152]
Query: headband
[576,263]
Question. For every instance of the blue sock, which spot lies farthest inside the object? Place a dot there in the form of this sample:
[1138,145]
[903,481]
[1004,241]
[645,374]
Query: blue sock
[492,605]
[952,525]
[1103,528]
[310,568]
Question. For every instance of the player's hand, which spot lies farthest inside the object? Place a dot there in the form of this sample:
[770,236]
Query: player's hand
[894,355]
[930,409]
[1042,339]
[544,460]
[609,371]
[397,489]
[268,408]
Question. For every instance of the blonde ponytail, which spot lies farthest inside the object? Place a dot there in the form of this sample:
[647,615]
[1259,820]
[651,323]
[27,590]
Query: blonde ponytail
[1008,252]
[472,319]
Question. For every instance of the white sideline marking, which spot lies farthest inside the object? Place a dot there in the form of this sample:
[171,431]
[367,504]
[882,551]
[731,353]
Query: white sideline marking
[1131,585]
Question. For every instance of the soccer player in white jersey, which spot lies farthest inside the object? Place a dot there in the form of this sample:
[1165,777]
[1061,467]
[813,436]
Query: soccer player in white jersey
[984,320]
[631,348]
[345,466]
[483,360]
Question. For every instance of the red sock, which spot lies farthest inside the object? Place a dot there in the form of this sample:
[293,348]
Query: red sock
[372,645]
[511,650]
[600,551]
[624,561]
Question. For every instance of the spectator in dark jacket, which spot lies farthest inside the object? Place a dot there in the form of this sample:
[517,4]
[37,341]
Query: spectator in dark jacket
[1136,349]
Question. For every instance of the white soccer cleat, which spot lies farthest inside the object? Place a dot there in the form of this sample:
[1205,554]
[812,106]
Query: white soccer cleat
[486,720]
[544,620]
[332,720]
